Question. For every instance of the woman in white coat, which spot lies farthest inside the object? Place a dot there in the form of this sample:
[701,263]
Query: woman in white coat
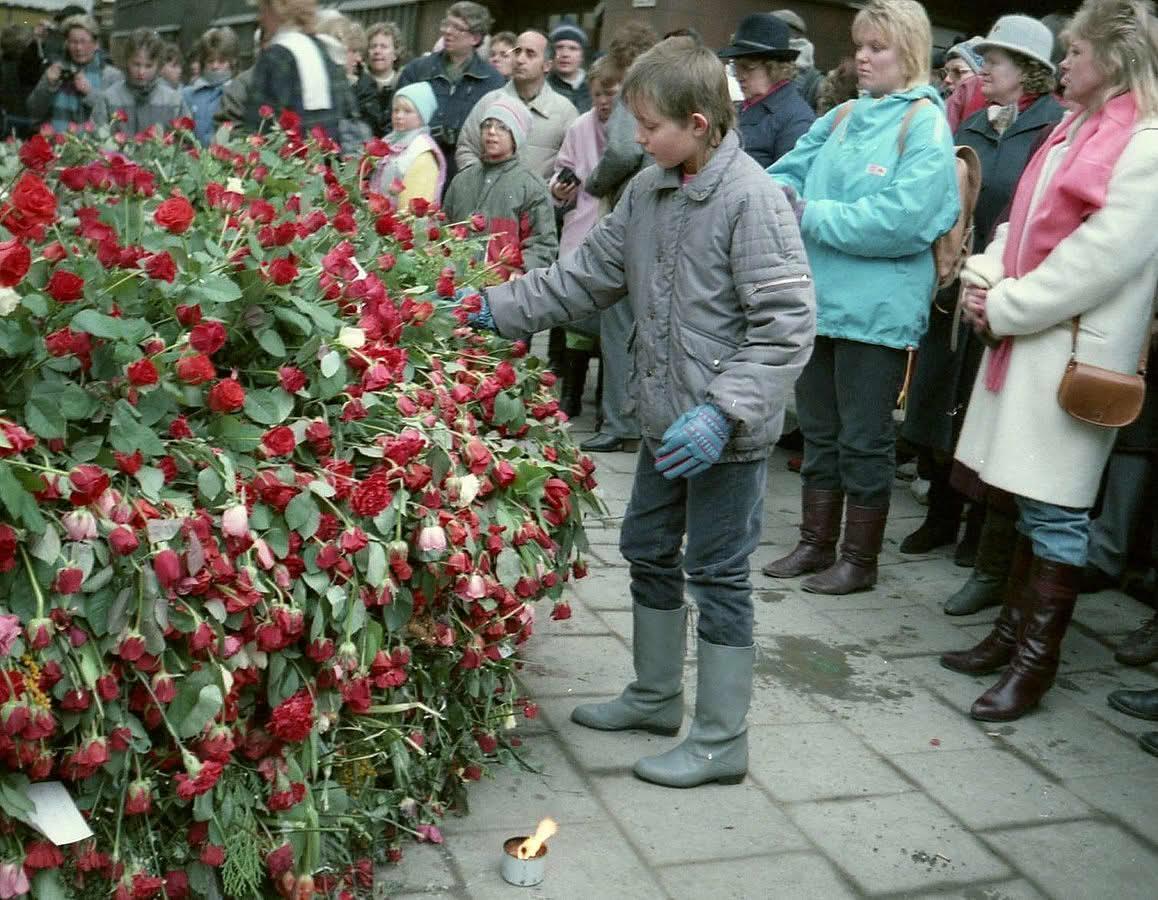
[1081,242]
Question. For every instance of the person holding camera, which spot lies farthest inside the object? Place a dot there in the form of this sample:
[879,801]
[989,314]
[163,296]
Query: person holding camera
[70,84]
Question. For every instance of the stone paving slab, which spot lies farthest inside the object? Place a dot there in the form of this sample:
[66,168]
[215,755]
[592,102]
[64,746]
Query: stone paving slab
[1081,859]
[867,777]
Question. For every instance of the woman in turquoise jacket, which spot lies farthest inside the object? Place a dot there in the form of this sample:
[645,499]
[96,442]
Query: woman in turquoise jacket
[874,184]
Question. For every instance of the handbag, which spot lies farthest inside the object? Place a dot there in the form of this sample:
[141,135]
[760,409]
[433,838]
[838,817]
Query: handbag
[1100,396]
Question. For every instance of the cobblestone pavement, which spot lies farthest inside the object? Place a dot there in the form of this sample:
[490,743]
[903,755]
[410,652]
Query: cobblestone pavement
[867,776]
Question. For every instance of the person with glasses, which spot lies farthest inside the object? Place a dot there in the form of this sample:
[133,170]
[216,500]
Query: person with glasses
[458,76]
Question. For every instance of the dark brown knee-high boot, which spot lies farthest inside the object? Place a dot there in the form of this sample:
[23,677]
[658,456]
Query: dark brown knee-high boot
[819,531]
[1053,591]
[996,649]
[856,569]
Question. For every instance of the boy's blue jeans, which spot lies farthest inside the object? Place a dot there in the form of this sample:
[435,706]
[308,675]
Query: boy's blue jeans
[720,511]
[1059,533]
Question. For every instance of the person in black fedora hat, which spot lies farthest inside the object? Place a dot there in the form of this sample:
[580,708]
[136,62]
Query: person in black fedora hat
[772,115]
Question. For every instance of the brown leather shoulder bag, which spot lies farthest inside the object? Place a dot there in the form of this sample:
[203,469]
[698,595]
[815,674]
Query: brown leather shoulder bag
[1102,396]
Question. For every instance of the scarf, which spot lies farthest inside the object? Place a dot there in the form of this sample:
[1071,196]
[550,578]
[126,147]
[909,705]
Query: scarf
[748,104]
[312,74]
[1002,117]
[1076,190]
[405,148]
[141,92]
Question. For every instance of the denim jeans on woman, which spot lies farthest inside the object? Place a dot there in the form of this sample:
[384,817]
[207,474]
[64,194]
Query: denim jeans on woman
[844,402]
[720,511]
[1059,533]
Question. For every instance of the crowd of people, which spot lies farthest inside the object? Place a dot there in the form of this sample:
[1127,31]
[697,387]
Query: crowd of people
[734,233]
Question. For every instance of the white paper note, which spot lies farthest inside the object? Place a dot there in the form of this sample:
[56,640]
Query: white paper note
[56,815]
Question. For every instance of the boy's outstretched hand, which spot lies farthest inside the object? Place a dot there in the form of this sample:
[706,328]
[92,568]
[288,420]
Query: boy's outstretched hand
[693,442]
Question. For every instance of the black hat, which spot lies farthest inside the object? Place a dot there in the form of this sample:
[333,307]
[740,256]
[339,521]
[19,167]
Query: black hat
[761,34]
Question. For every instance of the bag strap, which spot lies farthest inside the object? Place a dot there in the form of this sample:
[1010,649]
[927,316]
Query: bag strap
[1143,356]
[914,107]
[841,115]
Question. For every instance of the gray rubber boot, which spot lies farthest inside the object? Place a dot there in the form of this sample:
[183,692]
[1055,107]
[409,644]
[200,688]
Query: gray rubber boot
[716,748]
[655,700]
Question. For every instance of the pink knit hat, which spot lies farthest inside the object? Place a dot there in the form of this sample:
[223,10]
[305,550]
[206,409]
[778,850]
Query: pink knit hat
[513,113]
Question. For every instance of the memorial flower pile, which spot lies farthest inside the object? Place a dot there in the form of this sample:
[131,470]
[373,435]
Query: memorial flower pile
[274,523]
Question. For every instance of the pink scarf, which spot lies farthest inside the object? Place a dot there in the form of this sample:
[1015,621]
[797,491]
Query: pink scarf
[1077,190]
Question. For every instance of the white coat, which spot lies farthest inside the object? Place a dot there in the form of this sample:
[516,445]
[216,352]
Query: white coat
[1020,439]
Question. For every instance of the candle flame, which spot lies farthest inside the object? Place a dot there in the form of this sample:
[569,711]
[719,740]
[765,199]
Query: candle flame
[529,848]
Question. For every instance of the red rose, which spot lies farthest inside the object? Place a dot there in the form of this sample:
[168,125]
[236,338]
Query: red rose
[167,566]
[161,267]
[283,270]
[189,316]
[280,860]
[33,200]
[139,798]
[289,120]
[129,463]
[371,496]
[279,441]
[179,428]
[175,215]
[293,719]
[88,483]
[8,548]
[123,540]
[195,369]
[226,396]
[65,287]
[291,379]
[142,372]
[477,456]
[15,259]
[36,153]
[208,337]
[68,581]
[213,854]
[42,855]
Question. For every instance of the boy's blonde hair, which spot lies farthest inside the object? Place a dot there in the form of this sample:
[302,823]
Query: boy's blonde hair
[143,40]
[905,24]
[604,71]
[1124,37]
[680,79]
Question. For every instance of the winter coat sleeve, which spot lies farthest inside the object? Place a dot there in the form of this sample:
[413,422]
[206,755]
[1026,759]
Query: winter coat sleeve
[40,100]
[590,278]
[791,130]
[232,106]
[773,280]
[1090,265]
[468,150]
[905,217]
[542,245]
[792,169]
[622,156]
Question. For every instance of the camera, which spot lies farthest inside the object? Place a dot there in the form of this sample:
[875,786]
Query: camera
[67,73]
[567,176]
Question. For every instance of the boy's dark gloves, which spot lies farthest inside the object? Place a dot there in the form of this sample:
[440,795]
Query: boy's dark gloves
[481,318]
[693,442]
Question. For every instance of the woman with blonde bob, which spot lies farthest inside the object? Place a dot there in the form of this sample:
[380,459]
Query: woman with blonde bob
[874,184]
[1071,275]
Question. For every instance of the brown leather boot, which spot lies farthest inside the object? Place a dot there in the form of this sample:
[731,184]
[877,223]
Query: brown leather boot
[1053,591]
[1140,648]
[856,570]
[819,531]
[996,648]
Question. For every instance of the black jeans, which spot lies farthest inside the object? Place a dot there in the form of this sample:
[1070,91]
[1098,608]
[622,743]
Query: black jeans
[844,401]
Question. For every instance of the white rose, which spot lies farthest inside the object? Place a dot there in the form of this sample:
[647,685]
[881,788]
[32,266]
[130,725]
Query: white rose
[351,338]
[235,185]
[9,301]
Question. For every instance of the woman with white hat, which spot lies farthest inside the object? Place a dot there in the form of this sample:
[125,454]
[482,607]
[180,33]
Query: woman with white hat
[1017,79]
[1070,277]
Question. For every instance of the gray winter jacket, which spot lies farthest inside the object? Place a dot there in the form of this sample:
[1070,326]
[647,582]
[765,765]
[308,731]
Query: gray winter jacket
[158,105]
[720,288]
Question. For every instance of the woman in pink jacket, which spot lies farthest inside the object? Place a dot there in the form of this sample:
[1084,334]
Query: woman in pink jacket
[579,154]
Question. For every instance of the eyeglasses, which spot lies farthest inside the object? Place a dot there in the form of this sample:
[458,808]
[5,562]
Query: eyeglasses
[495,125]
[454,27]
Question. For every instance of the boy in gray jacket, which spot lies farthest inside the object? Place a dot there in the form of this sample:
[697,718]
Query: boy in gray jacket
[708,250]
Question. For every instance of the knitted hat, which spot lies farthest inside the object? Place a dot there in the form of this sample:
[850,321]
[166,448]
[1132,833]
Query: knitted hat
[512,113]
[421,94]
[568,31]
[965,50]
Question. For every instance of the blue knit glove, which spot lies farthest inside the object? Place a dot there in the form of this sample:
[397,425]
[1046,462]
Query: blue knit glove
[693,442]
[483,318]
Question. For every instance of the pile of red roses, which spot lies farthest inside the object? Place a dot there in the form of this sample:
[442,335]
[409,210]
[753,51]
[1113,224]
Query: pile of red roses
[273,521]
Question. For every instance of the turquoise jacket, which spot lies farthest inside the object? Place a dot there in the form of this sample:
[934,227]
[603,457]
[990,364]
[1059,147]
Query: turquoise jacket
[871,218]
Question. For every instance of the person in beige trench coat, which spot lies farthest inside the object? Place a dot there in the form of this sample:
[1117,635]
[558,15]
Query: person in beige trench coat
[1081,241]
